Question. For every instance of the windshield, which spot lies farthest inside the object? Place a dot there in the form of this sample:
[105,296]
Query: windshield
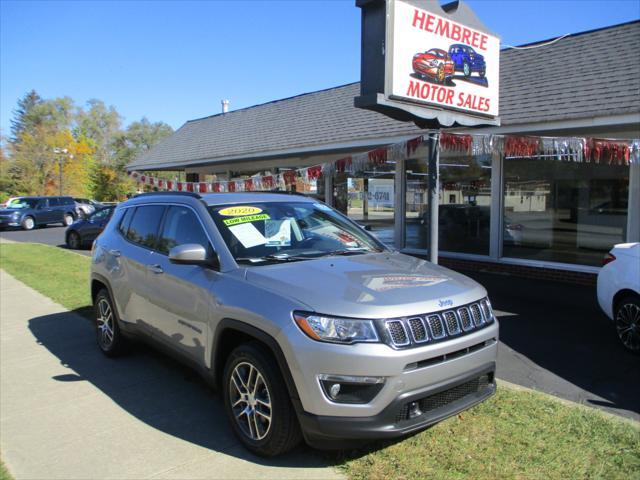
[22,203]
[259,232]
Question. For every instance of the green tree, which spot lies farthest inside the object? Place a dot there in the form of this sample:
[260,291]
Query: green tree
[109,184]
[102,125]
[138,138]
[23,114]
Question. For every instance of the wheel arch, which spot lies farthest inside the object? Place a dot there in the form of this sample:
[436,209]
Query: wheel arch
[617,298]
[229,334]
[98,282]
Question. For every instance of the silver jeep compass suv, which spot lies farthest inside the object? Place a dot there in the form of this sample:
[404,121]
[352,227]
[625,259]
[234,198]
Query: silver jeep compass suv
[309,326]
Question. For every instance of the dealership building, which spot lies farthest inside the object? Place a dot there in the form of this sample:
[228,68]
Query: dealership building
[551,210]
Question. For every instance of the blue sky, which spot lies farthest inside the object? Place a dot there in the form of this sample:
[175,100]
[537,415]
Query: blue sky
[175,61]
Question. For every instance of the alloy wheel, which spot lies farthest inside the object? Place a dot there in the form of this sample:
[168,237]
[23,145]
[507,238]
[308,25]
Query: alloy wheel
[68,220]
[250,401]
[628,325]
[29,223]
[105,324]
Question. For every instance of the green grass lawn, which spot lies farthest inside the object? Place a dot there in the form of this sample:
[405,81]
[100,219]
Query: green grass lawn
[515,434]
[58,274]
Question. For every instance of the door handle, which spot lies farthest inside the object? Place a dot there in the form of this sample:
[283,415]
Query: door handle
[115,253]
[155,268]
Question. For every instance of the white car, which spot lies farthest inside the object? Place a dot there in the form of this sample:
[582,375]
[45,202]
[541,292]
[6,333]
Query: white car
[619,292]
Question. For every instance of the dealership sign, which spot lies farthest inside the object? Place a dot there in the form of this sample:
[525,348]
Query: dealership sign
[438,66]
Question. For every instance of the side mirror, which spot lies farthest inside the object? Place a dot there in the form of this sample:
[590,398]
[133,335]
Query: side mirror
[192,254]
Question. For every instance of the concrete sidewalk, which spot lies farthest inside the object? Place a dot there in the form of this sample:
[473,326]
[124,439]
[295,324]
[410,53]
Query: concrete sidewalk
[68,412]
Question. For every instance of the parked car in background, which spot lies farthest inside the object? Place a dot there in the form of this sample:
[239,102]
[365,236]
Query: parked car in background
[85,206]
[434,63]
[467,60]
[83,232]
[619,292]
[309,326]
[30,212]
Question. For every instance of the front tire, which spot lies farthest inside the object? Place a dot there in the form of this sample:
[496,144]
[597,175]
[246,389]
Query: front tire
[257,402]
[67,219]
[627,322]
[108,335]
[466,69]
[28,223]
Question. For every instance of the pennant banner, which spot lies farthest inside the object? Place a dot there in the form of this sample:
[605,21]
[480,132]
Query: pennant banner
[616,152]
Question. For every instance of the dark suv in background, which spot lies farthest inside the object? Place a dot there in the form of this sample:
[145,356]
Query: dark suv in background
[30,212]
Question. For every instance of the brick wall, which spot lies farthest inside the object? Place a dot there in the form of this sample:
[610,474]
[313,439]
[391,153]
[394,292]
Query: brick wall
[579,278]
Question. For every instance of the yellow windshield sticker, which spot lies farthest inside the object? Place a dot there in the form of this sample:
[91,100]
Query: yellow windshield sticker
[249,218]
[239,211]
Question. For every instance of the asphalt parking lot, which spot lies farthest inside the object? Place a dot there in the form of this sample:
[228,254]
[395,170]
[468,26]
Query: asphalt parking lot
[553,337]
[48,235]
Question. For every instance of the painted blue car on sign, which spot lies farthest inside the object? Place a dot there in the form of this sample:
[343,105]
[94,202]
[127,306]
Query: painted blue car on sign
[467,60]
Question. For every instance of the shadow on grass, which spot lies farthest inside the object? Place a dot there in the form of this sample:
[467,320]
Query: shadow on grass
[159,391]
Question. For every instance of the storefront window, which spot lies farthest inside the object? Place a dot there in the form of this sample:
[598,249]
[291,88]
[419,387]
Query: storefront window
[368,198]
[563,211]
[464,204]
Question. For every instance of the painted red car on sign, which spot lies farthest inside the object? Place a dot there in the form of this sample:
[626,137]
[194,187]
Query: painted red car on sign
[434,63]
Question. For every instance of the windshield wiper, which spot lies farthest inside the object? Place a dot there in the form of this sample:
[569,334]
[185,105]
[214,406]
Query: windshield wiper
[272,257]
[348,251]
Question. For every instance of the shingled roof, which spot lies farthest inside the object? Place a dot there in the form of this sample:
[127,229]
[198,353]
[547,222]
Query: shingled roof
[585,75]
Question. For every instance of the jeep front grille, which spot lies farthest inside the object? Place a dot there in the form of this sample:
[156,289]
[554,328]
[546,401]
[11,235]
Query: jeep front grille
[451,319]
[433,327]
[418,330]
[398,333]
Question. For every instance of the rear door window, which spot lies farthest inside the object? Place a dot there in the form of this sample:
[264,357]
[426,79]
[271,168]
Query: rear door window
[145,224]
[54,201]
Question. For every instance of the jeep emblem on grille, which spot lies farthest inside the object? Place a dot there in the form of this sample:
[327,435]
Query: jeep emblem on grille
[445,303]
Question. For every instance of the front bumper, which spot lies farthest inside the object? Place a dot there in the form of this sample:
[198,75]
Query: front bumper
[9,222]
[437,402]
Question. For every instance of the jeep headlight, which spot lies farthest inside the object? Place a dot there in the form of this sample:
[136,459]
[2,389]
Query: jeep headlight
[335,329]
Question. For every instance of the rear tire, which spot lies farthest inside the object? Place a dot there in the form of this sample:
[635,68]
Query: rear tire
[108,335]
[627,322]
[257,402]
[28,223]
[73,241]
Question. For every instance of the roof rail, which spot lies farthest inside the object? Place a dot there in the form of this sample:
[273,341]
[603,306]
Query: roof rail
[155,194]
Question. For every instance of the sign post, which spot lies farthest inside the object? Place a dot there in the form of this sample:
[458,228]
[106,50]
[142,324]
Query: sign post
[433,172]
[437,66]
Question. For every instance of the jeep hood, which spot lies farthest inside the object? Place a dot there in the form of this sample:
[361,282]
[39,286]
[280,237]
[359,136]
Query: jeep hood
[377,285]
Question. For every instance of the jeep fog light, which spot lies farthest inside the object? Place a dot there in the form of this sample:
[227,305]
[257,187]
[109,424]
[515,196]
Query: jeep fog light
[350,389]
